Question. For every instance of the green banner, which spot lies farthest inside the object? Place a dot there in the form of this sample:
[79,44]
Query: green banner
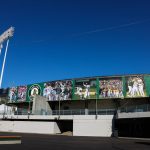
[97,88]
[33,90]
[73,89]
[124,85]
[147,84]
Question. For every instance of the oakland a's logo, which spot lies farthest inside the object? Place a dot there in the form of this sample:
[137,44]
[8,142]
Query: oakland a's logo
[34,90]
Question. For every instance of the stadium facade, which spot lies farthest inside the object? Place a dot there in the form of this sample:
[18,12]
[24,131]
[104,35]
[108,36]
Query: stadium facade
[93,106]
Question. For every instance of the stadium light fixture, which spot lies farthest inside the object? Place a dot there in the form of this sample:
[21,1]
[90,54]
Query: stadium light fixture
[7,34]
[5,37]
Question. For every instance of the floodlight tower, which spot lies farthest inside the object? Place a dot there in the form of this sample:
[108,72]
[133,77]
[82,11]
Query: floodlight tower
[5,37]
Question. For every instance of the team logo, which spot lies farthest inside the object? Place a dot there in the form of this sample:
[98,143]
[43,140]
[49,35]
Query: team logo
[34,90]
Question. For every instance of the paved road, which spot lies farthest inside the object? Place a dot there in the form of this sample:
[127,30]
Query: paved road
[59,142]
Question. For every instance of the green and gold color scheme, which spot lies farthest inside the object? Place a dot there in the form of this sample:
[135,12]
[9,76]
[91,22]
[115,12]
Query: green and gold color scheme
[110,87]
[33,90]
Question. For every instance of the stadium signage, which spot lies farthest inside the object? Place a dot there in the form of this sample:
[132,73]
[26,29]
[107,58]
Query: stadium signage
[131,86]
[34,90]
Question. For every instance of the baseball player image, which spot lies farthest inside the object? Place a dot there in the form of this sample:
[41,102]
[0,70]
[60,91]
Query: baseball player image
[87,90]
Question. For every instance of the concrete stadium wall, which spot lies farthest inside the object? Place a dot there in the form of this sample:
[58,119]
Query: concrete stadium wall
[83,125]
[134,115]
[40,105]
[29,127]
[90,126]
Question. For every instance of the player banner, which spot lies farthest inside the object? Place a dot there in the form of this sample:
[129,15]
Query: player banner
[111,88]
[135,86]
[85,89]
[12,94]
[58,90]
[22,91]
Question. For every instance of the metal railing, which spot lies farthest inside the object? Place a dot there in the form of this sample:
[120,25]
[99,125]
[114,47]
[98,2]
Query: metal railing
[136,108]
[63,112]
[77,112]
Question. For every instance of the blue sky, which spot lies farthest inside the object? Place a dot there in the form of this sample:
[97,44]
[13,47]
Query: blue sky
[61,39]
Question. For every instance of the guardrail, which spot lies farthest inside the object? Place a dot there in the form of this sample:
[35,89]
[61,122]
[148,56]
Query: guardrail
[63,112]
[136,108]
[129,109]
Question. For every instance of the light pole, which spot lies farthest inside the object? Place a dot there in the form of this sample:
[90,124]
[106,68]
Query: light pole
[5,37]
[59,110]
[96,106]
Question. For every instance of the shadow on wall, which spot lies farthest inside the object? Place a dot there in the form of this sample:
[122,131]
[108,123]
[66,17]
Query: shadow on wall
[134,127]
[65,125]
[114,125]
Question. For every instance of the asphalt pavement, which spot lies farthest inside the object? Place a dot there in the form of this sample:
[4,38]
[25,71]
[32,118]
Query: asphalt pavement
[60,142]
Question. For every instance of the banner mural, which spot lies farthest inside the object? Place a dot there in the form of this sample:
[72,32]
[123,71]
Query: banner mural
[85,89]
[22,90]
[33,90]
[12,95]
[135,86]
[58,90]
[111,88]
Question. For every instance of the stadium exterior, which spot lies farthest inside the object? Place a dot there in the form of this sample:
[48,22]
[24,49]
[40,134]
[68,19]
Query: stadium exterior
[93,106]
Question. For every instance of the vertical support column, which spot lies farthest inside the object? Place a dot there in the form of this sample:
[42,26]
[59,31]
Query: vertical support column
[124,86]
[29,109]
[4,114]
[34,110]
[86,107]
[59,108]
[97,96]
[73,89]
[147,85]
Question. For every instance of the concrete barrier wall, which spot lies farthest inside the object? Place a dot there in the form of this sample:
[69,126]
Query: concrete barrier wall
[82,126]
[40,105]
[29,127]
[102,126]
[134,115]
